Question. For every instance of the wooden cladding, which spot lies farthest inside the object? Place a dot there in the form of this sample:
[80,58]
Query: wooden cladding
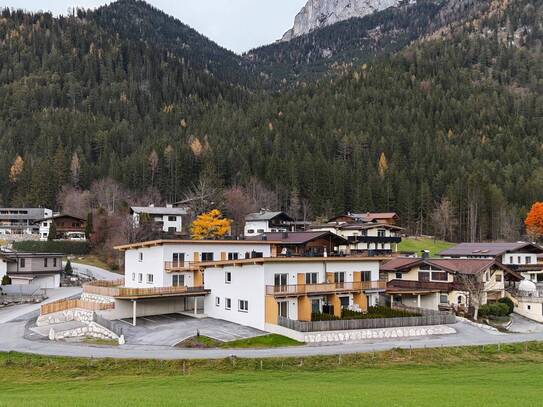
[63,305]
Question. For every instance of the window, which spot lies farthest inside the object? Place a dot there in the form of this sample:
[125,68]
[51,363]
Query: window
[444,299]
[344,302]
[150,279]
[519,260]
[228,277]
[339,277]
[528,260]
[311,278]
[178,259]
[498,277]
[233,256]
[528,307]
[424,276]
[45,261]
[250,231]
[140,256]
[315,306]
[243,305]
[22,263]
[217,301]
[256,255]
[207,256]
[55,262]
[381,233]
[172,218]
[510,259]
[399,276]
[439,276]
[280,279]
[178,280]
[366,276]
[282,309]
[172,229]
[140,278]
[133,276]
[260,231]
[227,303]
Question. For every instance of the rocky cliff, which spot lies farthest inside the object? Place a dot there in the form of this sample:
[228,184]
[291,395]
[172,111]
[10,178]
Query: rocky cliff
[320,13]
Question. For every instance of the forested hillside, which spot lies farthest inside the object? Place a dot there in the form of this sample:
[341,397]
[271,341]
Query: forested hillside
[448,128]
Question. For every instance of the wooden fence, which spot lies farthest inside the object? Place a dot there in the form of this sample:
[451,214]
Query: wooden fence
[428,317]
[114,289]
[63,305]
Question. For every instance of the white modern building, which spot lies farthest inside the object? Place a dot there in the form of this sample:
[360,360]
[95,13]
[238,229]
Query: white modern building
[22,221]
[267,221]
[40,270]
[168,219]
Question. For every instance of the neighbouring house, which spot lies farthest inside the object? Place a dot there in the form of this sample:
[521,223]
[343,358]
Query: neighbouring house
[68,227]
[389,218]
[308,244]
[519,256]
[41,270]
[268,221]
[168,219]
[372,239]
[22,221]
[443,283]
[262,292]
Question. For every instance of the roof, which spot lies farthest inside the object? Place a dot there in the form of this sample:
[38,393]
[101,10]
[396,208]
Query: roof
[267,215]
[489,249]
[15,255]
[369,216]
[366,226]
[153,243]
[62,215]
[296,238]
[463,266]
[22,213]
[262,260]
[155,210]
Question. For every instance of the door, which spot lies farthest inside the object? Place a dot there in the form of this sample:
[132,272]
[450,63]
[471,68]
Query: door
[315,306]
[282,309]
[339,277]
[178,259]
[280,282]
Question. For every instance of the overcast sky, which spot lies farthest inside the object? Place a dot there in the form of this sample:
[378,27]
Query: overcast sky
[238,25]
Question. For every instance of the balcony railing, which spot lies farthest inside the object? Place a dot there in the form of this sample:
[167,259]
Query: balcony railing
[107,290]
[323,288]
[374,239]
[180,265]
[419,285]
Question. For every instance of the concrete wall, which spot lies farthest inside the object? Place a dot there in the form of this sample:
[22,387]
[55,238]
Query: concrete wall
[47,281]
[145,308]
[530,309]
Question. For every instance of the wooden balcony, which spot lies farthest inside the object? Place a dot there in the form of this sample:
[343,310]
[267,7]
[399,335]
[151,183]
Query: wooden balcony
[107,290]
[180,266]
[297,290]
[405,286]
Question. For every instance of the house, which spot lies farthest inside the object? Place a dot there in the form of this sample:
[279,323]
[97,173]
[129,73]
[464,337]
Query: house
[168,219]
[265,222]
[314,243]
[443,283]
[41,270]
[389,218]
[22,221]
[68,227]
[261,292]
[379,239]
[519,256]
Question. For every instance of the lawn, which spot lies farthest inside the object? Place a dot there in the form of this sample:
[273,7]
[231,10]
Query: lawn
[263,341]
[417,245]
[91,260]
[445,377]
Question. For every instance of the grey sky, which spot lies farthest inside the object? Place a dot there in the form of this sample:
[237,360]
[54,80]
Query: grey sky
[238,25]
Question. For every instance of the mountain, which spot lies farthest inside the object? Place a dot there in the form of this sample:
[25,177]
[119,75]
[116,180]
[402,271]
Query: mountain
[447,115]
[321,13]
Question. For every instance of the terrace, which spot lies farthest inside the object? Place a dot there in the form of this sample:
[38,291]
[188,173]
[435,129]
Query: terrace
[297,290]
[115,290]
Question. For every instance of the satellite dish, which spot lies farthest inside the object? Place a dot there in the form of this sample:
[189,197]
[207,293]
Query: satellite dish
[527,285]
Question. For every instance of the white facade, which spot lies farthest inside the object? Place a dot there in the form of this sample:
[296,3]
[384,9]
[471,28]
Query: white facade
[248,282]
[21,221]
[3,269]
[519,259]
[145,267]
[374,233]
[170,219]
[43,281]
[254,228]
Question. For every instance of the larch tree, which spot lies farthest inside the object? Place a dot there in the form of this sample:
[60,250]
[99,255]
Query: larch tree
[16,169]
[210,225]
[534,221]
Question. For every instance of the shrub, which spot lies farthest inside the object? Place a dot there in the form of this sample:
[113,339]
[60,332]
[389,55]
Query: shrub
[509,302]
[319,316]
[68,268]
[56,246]
[6,280]
[495,310]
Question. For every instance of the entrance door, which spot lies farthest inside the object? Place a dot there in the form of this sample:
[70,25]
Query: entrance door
[280,282]
[282,309]
[315,306]
[339,278]
[178,259]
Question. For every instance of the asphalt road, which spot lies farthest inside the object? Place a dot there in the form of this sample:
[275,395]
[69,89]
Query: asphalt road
[13,339]
[95,272]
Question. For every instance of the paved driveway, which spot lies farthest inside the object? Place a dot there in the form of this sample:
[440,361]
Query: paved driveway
[170,329]
[524,325]
[95,272]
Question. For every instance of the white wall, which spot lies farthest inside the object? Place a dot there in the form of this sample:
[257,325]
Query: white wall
[257,227]
[531,310]
[247,284]
[152,263]
[3,269]
[513,259]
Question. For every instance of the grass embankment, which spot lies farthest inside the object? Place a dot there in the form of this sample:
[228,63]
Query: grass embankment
[91,260]
[264,341]
[416,245]
[509,375]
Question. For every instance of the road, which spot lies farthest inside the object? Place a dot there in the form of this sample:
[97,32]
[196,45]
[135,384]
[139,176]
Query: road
[13,339]
[95,272]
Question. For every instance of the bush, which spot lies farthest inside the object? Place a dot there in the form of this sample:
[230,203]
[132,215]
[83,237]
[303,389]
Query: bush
[68,268]
[509,302]
[495,310]
[6,280]
[319,316]
[56,246]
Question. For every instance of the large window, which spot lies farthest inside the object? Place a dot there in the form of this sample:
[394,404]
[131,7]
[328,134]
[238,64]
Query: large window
[439,276]
[178,280]
[207,256]
[243,305]
[178,259]
[424,276]
[381,233]
[311,278]
[233,256]
[280,279]
[339,277]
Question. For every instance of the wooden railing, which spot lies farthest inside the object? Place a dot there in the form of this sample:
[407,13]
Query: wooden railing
[104,288]
[63,305]
[306,289]
[180,265]
[115,290]
[419,285]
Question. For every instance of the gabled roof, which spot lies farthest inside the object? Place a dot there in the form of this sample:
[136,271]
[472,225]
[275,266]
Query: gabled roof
[62,215]
[156,210]
[267,215]
[368,216]
[489,249]
[12,256]
[367,226]
[462,266]
[296,238]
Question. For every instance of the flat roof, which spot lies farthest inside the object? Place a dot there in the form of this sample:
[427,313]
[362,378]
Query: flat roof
[153,243]
[262,260]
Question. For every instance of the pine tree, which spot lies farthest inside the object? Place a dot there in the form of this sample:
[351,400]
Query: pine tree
[52,231]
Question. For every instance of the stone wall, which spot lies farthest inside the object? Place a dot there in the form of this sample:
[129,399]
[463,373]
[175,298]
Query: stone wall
[74,314]
[92,330]
[100,299]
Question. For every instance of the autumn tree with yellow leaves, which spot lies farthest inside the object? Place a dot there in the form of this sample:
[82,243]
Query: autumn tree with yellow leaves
[16,169]
[210,225]
[534,221]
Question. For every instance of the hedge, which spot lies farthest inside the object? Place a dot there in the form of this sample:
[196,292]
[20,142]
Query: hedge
[53,246]
[496,310]
[509,302]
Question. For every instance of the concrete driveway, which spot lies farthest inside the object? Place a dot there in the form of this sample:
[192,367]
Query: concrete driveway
[95,272]
[524,325]
[170,329]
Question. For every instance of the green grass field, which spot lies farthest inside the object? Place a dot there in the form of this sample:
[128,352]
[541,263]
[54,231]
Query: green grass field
[417,245]
[264,341]
[478,376]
